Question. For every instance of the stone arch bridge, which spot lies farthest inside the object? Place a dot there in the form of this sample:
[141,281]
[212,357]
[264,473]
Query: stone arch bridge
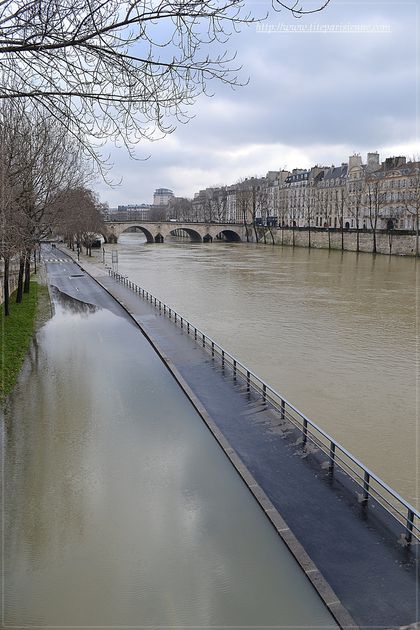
[158,231]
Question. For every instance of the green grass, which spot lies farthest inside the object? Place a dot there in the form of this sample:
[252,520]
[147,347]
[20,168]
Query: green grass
[16,332]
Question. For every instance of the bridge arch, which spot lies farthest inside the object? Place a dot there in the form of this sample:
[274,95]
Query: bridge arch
[229,235]
[149,236]
[193,234]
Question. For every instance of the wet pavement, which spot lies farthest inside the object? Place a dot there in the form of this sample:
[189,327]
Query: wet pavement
[358,551]
[120,508]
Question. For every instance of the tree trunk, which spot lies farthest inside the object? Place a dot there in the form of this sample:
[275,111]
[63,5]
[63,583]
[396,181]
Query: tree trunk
[357,237]
[6,286]
[19,293]
[35,261]
[309,235]
[342,234]
[27,272]
[255,232]
[293,236]
[417,234]
[329,238]
[374,241]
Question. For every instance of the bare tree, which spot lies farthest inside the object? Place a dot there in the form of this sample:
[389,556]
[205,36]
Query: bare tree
[263,205]
[180,208]
[80,217]
[41,159]
[309,207]
[122,69]
[244,205]
[220,204]
[341,203]
[297,9]
[355,195]
[13,234]
[375,199]
[412,199]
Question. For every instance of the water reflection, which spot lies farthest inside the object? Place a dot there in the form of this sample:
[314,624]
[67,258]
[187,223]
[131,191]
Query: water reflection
[334,331]
[120,508]
[71,304]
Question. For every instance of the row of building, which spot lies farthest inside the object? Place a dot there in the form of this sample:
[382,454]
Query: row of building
[373,195]
[146,211]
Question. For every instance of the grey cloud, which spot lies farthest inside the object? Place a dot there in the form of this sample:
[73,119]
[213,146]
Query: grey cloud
[305,91]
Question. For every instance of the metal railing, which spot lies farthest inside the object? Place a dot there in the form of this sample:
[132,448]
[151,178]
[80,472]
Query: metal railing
[337,456]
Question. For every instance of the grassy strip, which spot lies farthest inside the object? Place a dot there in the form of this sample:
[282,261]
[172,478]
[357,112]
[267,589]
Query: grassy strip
[16,332]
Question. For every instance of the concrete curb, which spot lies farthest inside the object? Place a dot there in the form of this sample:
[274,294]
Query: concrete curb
[324,590]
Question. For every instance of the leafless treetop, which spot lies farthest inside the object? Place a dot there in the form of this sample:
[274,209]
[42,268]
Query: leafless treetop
[118,69]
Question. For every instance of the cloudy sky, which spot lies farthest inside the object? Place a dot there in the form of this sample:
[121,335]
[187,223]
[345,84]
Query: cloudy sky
[313,97]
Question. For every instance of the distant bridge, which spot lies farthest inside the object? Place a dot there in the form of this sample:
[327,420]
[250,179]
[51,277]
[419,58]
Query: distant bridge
[158,231]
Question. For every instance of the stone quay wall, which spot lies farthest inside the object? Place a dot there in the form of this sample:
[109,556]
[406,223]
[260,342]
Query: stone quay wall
[395,243]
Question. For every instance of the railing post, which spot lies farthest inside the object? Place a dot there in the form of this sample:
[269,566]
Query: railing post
[170,313]
[247,380]
[366,480]
[175,317]
[223,358]
[332,456]
[212,348]
[195,333]
[409,526]
[234,369]
[188,327]
[164,309]
[204,340]
[155,301]
[305,431]
[182,322]
[282,409]
[264,389]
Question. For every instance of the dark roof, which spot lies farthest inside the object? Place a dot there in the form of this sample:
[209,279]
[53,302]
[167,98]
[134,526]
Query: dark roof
[297,177]
[336,171]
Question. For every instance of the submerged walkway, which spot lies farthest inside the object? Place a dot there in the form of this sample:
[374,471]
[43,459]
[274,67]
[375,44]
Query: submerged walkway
[353,555]
[120,509]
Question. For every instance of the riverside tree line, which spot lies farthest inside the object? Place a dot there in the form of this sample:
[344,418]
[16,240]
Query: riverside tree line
[43,190]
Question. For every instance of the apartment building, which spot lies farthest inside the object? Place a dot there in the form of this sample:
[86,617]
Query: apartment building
[354,195]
